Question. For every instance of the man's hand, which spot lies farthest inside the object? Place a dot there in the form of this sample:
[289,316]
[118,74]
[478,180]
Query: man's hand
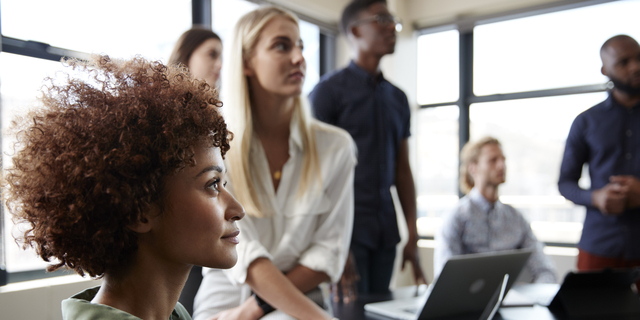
[610,199]
[632,184]
[410,254]
[347,283]
[248,310]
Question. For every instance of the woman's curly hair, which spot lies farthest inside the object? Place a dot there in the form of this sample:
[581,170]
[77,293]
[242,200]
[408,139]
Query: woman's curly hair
[95,157]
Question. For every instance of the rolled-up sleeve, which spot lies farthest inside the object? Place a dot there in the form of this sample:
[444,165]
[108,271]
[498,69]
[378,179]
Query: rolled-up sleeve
[329,246]
[575,155]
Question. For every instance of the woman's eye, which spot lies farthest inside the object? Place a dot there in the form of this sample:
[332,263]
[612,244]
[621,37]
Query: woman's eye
[214,185]
[214,55]
[281,47]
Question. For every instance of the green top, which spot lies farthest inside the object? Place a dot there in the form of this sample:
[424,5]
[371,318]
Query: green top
[79,307]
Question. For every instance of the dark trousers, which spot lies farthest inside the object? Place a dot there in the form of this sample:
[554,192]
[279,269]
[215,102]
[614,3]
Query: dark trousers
[375,268]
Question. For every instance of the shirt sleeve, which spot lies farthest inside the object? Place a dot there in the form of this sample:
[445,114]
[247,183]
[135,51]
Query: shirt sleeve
[407,119]
[322,103]
[448,241]
[575,155]
[330,244]
[539,264]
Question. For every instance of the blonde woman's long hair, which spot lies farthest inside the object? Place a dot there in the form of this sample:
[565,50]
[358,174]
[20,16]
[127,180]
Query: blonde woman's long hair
[238,113]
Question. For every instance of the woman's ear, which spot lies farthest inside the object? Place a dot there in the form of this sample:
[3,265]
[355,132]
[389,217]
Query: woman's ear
[144,224]
[246,68]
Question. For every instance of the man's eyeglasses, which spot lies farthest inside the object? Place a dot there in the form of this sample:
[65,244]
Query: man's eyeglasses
[382,20]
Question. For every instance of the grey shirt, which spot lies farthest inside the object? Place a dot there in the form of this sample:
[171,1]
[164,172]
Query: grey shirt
[477,225]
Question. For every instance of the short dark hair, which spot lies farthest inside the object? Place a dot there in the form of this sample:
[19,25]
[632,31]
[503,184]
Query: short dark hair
[188,42]
[351,12]
[613,39]
[95,157]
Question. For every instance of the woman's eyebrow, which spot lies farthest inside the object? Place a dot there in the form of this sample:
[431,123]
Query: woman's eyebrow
[211,168]
[281,38]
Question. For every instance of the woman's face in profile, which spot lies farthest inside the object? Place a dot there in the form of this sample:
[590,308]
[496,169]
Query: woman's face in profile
[198,224]
[206,61]
[277,62]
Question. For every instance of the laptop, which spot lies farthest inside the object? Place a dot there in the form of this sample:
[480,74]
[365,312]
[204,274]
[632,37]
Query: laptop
[467,287]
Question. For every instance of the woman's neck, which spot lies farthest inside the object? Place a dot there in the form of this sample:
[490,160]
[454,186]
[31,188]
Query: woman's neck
[271,114]
[149,290]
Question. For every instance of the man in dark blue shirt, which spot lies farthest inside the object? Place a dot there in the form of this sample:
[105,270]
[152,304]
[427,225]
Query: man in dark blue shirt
[377,115]
[607,138]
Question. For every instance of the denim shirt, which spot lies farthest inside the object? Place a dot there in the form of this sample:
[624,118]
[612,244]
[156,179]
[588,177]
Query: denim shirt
[607,138]
[376,114]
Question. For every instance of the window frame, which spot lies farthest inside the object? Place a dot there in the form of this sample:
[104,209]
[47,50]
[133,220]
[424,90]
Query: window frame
[467,97]
[201,15]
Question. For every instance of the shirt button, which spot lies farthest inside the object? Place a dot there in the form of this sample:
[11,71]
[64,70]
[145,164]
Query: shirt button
[628,156]
[629,133]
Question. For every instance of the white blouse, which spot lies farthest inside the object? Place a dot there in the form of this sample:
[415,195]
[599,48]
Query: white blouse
[312,228]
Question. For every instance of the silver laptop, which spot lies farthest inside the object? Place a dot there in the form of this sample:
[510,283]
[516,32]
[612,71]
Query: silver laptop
[469,287]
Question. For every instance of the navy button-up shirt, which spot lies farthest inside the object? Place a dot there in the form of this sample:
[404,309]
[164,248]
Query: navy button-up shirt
[377,115]
[607,138]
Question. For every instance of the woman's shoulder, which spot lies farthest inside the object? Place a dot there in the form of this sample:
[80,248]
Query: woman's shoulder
[327,134]
[331,140]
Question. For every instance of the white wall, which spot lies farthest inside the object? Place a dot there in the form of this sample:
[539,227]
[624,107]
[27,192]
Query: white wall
[40,299]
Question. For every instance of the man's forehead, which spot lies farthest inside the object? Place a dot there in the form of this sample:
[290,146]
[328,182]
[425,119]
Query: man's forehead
[620,47]
[490,149]
[376,8]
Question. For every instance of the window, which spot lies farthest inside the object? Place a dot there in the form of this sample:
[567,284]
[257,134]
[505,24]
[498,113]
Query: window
[21,79]
[560,49]
[548,68]
[532,133]
[119,28]
[435,168]
[90,27]
[438,67]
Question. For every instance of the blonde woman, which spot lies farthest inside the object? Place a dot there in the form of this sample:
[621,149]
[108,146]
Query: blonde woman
[293,174]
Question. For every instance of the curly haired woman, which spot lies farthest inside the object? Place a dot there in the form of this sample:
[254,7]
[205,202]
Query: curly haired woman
[120,175]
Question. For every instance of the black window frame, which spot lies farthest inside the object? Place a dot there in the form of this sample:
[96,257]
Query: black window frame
[466,56]
[467,97]
[200,15]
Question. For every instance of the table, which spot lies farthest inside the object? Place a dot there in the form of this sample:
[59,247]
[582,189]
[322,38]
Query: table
[542,294]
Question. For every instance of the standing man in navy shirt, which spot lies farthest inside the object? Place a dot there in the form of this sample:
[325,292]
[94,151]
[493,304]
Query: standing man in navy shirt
[607,138]
[376,114]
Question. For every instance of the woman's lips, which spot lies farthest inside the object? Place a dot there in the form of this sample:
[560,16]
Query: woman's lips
[297,75]
[232,237]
